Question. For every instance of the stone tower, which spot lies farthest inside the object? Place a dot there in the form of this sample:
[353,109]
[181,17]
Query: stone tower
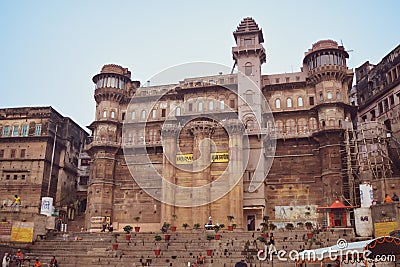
[112,87]
[332,80]
[249,55]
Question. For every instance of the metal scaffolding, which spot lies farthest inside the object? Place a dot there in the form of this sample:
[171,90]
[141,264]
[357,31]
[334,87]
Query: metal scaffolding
[365,157]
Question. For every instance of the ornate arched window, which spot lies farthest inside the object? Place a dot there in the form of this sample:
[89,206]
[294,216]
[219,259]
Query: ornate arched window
[290,126]
[277,103]
[302,126]
[211,105]
[248,69]
[178,111]
[289,103]
[300,101]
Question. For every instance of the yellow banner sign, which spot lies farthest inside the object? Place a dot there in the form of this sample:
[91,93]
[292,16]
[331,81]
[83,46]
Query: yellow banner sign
[384,228]
[22,232]
[184,159]
[215,157]
[220,157]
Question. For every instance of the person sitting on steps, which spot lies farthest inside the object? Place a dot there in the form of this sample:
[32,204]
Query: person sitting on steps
[200,259]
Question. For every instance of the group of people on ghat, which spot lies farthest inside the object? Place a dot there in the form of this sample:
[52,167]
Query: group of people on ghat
[107,226]
[20,260]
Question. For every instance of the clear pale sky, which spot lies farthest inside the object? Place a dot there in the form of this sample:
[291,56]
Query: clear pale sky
[50,50]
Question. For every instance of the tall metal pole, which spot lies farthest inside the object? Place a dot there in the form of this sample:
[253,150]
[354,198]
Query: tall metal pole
[52,160]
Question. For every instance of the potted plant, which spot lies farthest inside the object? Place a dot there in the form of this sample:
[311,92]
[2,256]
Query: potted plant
[300,224]
[128,229]
[185,225]
[234,225]
[166,227]
[230,219]
[272,226]
[173,227]
[196,226]
[309,225]
[217,227]
[137,228]
[289,226]
[115,241]
[210,237]
[157,251]
[264,226]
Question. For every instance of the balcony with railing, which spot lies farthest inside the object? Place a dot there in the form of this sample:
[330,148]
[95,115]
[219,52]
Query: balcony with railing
[102,143]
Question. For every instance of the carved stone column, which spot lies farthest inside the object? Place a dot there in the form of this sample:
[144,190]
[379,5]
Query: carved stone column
[169,133]
[236,169]
[202,132]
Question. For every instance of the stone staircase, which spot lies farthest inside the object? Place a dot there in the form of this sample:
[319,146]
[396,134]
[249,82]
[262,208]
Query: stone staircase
[96,249]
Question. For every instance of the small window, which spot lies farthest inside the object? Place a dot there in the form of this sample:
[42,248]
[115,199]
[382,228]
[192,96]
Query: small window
[200,106]
[23,177]
[289,102]
[12,153]
[154,113]
[329,95]
[277,80]
[221,105]
[112,114]
[248,69]
[6,130]
[23,151]
[15,130]
[1,153]
[278,103]
[24,130]
[190,107]
[178,111]
[232,103]
[313,123]
[311,99]
[391,99]
[249,97]
[337,95]
[300,101]
[321,97]
[364,118]
[143,116]
[163,113]
[248,41]
[104,114]
[133,116]
[287,79]
[297,78]
[15,176]
[123,116]
[38,130]
[211,105]
[7,177]
[380,108]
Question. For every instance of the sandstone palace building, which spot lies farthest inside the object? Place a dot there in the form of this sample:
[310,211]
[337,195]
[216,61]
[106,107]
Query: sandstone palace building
[243,144]
[39,157]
